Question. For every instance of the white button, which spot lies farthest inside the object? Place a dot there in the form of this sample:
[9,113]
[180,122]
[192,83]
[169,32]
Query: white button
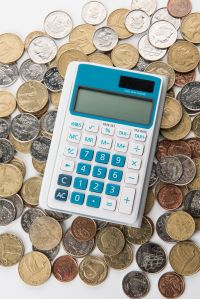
[67,165]
[127,201]
[131,178]
[105,142]
[139,136]
[123,133]
[76,124]
[121,146]
[134,163]
[136,149]
[109,204]
[74,137]
[108,130]
[92,128]
[70,151]
[89,140]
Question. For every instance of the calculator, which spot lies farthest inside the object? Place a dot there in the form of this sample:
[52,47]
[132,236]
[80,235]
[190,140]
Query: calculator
[103,144]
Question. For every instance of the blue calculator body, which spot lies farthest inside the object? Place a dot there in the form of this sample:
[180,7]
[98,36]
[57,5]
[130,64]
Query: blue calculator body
[104,143]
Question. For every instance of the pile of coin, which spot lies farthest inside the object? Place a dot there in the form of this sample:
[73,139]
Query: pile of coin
[26,126]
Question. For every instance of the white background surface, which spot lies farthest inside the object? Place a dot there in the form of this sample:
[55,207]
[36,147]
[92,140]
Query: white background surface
[22,17]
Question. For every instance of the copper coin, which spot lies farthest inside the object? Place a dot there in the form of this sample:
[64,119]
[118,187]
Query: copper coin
[162,149]
[170,197]
[171,285]
[65,268]
[184,78]
[83,229]
[194,144]
[179,147]
[179,8]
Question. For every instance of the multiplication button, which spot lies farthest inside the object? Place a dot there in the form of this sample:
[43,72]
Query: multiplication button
[134,163]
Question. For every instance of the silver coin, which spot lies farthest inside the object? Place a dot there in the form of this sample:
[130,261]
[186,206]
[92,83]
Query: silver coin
[163,14]
[105,39]
[48,122]
[189,96]
[58,24]
[6,151]
[149,6]
[29,216]
[141,65]
[59,216]
[192,203]
[51,254]
[94,12]
[18,203]
[136,284]
[137,21]
[4,128]
[40,148]
[30,70]
[162,34]
[25,127]
[100,224]
[161,228]
[149,52]
[8,74]
[42,49]
[169,169]
[189,170]
[53,80]
[153,177]
[7,212]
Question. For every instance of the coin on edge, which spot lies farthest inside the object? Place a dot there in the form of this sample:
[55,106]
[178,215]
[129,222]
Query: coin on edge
[11,250]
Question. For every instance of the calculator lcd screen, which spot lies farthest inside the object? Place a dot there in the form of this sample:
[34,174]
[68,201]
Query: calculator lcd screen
[114,106]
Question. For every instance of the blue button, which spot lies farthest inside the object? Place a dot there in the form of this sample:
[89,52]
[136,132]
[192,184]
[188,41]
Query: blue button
[86,154]
[93,201]
[112,189]
[61,194]
[83,168]
[64,180]
[115,175]
[102,157]
[80,183]
[96,186]
[99,172]
[77,198]
[118,160]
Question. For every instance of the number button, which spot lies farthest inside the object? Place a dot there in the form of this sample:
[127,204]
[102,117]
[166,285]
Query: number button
[89,140]
[118,160]
[115,175]
[61,194]
[80,183]
[112,189]
[83,169]
[102,157]
[99,172]
[74,137]
[77,198]
[93,201]
[71,151]
[86,154]
[64,180]
[96,186]
[134,163]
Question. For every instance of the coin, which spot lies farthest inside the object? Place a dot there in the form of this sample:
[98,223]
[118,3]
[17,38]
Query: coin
[50,254]
[40,148]
[45,233]
[8,74]
[122,260]
[149,6]
[153,177]
[31,36]
[30,70]
[184,258]
[59,216]
[31,190]
[189,96]
[141,65]
[11,48]
[48,122]
[197,224]
[53,80]
[162,149]
[163,14]
[19,164]
[116,20]
[180,226]
[65,268]
[188,57]
[58,24]
[7,103]
[29,216]
[149,201]
[196,125]
[93,270]
[184,78]
[192,203]
[172,113]
[171,285]
[151,258]
[4,128]
[100,58]
[170,197]
[179,147]
[169,169]
[161,228]
[23,147]
[94,12]
[101,224]
[194,144]
[6,151]
[137,21]
[34,268]
[105,39]
[39,166]
[135,284]
[189,170]
[66,47]
[83,229]
[18,204]
[7,212]
[195,184]
[148,51]
[55,98]
[11,250]
[179,8]
[8,172]
[110,240]
[125,56]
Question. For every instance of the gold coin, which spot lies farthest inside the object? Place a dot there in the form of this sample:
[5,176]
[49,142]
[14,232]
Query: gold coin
[162,68]
[22,147]
[190,28]
[116,20]
[34,268]
[184,258]
[172,113]
[66,47]
[180,226]
[32,96]
[40,113]
[183,56]
[181,130]
[93,270]
[171,93]
[45,233]
[11,48]
[119,226]
[139,236]
[149,201]
[110,240]
[82,35]
[55,98]
[19,164]
[11,180]
[100,58]
[122,260]
[39,167]
[31,190]
[197,223]
[31,36]
[7,103]
[67,57]
[196,125]
[11,250]
[125,56]
[195,184]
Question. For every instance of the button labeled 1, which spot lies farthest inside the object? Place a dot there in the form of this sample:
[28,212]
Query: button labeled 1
[127,201]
